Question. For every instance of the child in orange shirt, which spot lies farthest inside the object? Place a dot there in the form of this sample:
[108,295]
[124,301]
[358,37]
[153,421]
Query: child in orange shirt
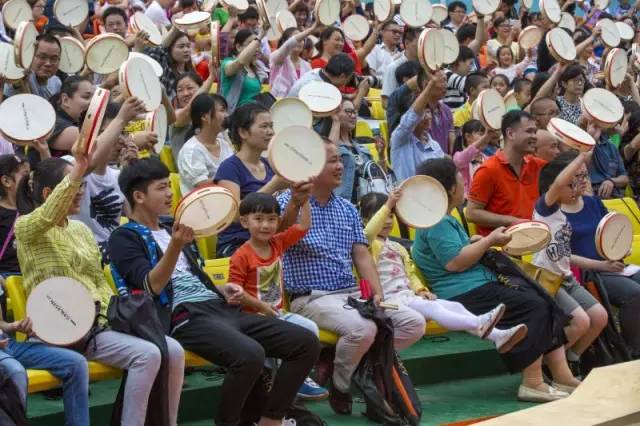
[257,266]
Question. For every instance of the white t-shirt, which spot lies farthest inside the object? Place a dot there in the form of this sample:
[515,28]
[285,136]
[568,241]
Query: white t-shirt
[380,58]
[389,82]
[556,257]
[157,14]
[102,204]
[196,163]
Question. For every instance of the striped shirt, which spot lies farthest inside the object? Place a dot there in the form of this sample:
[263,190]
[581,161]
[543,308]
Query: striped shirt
[455,97]
[46,249]
[187,288]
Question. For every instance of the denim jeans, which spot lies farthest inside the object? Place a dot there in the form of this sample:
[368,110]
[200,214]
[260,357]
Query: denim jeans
[67,365]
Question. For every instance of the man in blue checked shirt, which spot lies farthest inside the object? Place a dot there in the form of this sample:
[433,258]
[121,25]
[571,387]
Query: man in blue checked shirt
[318,276]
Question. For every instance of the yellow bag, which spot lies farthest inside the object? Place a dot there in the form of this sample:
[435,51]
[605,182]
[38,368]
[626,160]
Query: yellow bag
[550,281]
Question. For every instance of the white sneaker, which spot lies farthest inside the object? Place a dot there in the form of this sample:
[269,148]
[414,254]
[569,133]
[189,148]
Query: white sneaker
[288,422]
[489,320]
[527,394]
[511,337]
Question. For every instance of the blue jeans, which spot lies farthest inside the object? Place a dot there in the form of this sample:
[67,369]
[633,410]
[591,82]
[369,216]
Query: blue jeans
[65,364]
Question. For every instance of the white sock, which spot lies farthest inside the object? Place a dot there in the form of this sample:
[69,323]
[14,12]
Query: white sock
[496,334]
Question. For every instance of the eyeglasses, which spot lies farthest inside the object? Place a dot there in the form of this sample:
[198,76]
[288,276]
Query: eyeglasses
[552,113]
[351,112]
[46,58]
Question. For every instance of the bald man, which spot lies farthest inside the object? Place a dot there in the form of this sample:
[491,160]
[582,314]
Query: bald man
[547,146]
[543,110]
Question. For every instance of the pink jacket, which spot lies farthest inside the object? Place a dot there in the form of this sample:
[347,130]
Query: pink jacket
[283,73]
[462,160]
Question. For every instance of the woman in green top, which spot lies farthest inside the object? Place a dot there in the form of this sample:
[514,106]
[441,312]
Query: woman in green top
[239,76]
[51,245]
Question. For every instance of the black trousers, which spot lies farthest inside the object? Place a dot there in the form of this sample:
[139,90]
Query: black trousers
[523,305]
[240,342]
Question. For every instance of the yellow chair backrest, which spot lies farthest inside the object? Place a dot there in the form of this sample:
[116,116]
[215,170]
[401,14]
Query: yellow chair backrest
[18,297]
[207,247]
[109,278]
[377,111]
[371,147]
[384,131]
[472,226]
[174,181]
[218,270]
[265,88]
[374,93]
[214,88]
[363,129]
[166,156]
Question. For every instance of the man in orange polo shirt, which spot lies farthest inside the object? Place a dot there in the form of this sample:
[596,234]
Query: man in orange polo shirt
[505,188]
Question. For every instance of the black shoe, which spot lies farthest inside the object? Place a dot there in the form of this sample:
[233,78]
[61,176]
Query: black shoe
[341,403]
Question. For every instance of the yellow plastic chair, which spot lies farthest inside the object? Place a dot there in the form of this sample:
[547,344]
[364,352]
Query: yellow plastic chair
[363,129]
[377,111]
[472,226]
[265,88]
[166,156]
[374,94]
[384,131]
[207,247]
[371,147]
[628,207]
[218,270]
[214,88]
[174,181]
[40,380]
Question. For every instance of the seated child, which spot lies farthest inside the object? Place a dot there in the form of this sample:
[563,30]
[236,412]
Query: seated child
[401,284]
[558,185]
[257,266]
[477,144]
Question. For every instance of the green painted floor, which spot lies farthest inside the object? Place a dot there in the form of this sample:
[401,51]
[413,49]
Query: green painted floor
[442,403]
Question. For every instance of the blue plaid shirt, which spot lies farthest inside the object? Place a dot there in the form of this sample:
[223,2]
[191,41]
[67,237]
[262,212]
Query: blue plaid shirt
[322,259]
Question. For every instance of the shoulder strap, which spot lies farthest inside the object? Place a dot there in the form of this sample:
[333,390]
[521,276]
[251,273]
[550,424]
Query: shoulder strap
[233,97]
[152,250]
[9,237]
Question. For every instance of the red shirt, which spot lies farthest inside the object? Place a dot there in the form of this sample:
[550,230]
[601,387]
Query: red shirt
[502,191]
[260,277]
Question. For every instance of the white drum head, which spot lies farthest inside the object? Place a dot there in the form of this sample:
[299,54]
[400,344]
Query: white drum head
[485,7]
[156,122]
[193,19]
[615,67]
[297,153]
[328,11]
[383,9]
[286,20]
[626,32]
[527,238]
[451,46]
[62,311]
[570,134]
[208,5]
[93,119]
[356,27]
[141,82]
[16,11]
[287,112]
[510,101]
[72,55]
[614,236]
[416,13]
[25,118]
[530,37]
[551,10]
[8,66]
[423,202]
[208,211]
[603,106]
[320,97]
[71,12]
[609,34]
[567,21]
[240,5]
[561,45]
[431,49]
[492,108]
[601,4]
[143,23]
[440,13]
[25,44]
[157,68]
[105,53]
[272,7]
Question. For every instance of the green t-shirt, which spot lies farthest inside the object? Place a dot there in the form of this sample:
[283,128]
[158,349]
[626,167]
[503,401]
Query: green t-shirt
[251,86]
[220,14]
[435,247]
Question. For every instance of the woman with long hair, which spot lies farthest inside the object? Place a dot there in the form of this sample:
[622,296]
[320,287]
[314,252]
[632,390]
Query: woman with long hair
[332,41]
[174,57]
[285,63]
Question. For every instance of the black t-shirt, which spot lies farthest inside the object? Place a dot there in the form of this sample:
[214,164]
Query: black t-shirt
[9,261]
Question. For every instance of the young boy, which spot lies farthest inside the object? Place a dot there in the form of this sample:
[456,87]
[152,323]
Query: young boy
[473,85]
[457,77]
[257,266]
[558,185]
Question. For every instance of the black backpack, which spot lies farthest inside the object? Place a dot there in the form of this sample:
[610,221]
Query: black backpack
[609,348]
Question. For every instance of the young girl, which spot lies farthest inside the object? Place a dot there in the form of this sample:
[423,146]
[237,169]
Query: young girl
[401,284]
[500,82]
[475,139]
[45,199]
[506,66]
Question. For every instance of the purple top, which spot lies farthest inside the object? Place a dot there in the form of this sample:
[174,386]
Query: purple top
[441,125]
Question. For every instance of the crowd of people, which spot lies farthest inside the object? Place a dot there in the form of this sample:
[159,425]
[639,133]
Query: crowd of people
[297,249]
